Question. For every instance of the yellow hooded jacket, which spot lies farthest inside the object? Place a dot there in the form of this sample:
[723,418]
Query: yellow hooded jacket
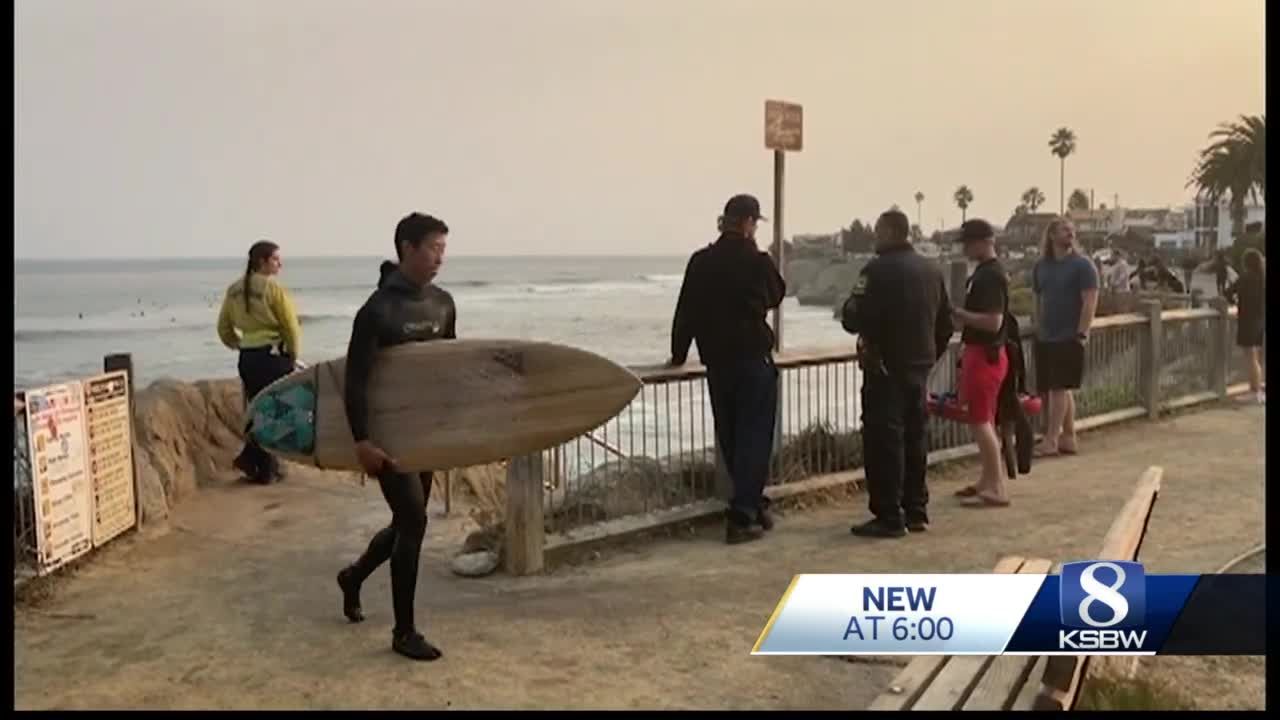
[269,320]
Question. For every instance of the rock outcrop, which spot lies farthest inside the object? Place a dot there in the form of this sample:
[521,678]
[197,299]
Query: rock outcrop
[186,435]
[831,285]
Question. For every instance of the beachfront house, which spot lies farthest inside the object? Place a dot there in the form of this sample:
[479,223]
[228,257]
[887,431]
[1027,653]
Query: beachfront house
[1025,229]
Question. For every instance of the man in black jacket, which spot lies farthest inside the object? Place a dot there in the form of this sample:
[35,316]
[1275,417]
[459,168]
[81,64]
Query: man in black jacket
[406,308]
[900,311]
[728,289]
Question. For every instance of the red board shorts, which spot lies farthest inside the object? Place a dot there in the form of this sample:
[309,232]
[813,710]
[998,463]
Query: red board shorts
[980,381]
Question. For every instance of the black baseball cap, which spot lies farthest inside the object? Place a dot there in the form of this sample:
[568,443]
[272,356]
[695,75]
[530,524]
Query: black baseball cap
[975,229]
[743,206]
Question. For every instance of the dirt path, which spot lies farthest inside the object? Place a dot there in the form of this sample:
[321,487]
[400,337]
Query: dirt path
[235,606]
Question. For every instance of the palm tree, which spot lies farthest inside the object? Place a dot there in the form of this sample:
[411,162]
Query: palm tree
[963,197]
[1234,165]
[1033,198]
[919,200]
[1062,144]
[1079,200]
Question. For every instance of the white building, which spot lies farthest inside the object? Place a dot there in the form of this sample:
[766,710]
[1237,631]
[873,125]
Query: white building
[1208,223]
[1098,220]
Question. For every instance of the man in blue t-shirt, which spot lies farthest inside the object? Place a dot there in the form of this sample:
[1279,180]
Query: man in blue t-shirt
[1066,287]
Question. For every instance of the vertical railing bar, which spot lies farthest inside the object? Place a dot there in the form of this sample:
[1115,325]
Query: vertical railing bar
[684,492]
[666,415]
[708,443]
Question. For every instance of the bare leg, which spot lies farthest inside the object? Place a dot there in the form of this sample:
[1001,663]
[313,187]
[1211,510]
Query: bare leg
[1255,369]
[1067,441]
[991,484]
[1057,416]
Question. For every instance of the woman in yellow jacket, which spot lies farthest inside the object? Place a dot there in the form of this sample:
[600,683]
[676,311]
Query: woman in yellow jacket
[259,321]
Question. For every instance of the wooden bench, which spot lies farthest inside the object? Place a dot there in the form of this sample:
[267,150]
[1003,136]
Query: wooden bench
[1020,682]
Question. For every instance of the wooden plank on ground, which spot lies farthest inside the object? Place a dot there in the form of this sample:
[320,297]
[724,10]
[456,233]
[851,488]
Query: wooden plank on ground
[909,683]
[922,675]
[1027,694]
[1124,539]
[1009,675]
[1062,673]
[1059,700]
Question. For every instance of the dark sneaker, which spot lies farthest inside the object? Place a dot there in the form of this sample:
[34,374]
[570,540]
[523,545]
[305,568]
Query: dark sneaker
[413,645]
[350,595]
[764,518]
[917,526]
[735,533]
[878,529]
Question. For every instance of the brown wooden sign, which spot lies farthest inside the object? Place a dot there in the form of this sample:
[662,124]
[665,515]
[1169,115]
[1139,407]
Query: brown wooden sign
[783,126]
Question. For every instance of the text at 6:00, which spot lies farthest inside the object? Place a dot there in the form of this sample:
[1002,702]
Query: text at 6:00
[869,627]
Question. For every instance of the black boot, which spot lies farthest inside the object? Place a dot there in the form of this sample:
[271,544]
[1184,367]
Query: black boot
[350,595]
[739,529]
[245,466]
[878,528]
[411,644]
[764,517]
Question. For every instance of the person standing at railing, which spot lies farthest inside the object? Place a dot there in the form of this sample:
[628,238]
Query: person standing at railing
[902,316]
[1066,288]
[258,320]
[983,362]
[1249,293]
[728,289]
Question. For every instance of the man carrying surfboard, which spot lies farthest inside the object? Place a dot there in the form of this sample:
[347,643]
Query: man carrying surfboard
[729,287]
[406,308]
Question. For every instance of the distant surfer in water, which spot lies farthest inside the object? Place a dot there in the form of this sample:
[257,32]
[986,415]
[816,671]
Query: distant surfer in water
[406,308]
[258,320]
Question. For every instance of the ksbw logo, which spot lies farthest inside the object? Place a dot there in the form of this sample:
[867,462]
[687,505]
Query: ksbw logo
[1105,602]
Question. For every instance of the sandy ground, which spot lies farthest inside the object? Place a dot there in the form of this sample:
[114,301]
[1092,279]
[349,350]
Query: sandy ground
[235,605]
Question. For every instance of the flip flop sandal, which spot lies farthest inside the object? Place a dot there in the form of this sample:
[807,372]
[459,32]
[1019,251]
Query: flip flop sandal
[986,501]
[967,491]
[1040,452]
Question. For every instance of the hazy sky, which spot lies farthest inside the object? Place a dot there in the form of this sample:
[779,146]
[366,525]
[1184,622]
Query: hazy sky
[194,127]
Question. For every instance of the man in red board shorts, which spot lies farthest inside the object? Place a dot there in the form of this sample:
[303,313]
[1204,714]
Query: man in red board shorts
[983,363]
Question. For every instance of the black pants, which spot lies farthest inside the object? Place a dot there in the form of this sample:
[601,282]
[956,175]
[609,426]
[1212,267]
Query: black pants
[894,447]
[744,403]
[400,542]
[259,368]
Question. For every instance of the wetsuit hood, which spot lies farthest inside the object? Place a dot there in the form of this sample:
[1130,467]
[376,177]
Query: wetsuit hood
[398,282]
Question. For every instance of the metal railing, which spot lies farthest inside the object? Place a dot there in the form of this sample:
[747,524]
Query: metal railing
[660,452]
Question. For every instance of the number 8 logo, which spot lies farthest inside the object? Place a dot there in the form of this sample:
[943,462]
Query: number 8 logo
[1105,594]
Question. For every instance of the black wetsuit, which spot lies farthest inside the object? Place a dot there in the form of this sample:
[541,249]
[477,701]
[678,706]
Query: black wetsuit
[398,312]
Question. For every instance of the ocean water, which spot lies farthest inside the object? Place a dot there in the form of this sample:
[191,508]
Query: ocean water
[68,315]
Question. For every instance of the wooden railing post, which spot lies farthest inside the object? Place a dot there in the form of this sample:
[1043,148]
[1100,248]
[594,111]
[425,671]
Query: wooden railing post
[113,363]
[524,522]
[1152,356]
[1220,367]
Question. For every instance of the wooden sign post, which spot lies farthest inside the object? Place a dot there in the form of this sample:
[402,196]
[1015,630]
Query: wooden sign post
[783,133]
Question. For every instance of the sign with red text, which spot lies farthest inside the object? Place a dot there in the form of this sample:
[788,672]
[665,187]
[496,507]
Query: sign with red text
[60,480]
